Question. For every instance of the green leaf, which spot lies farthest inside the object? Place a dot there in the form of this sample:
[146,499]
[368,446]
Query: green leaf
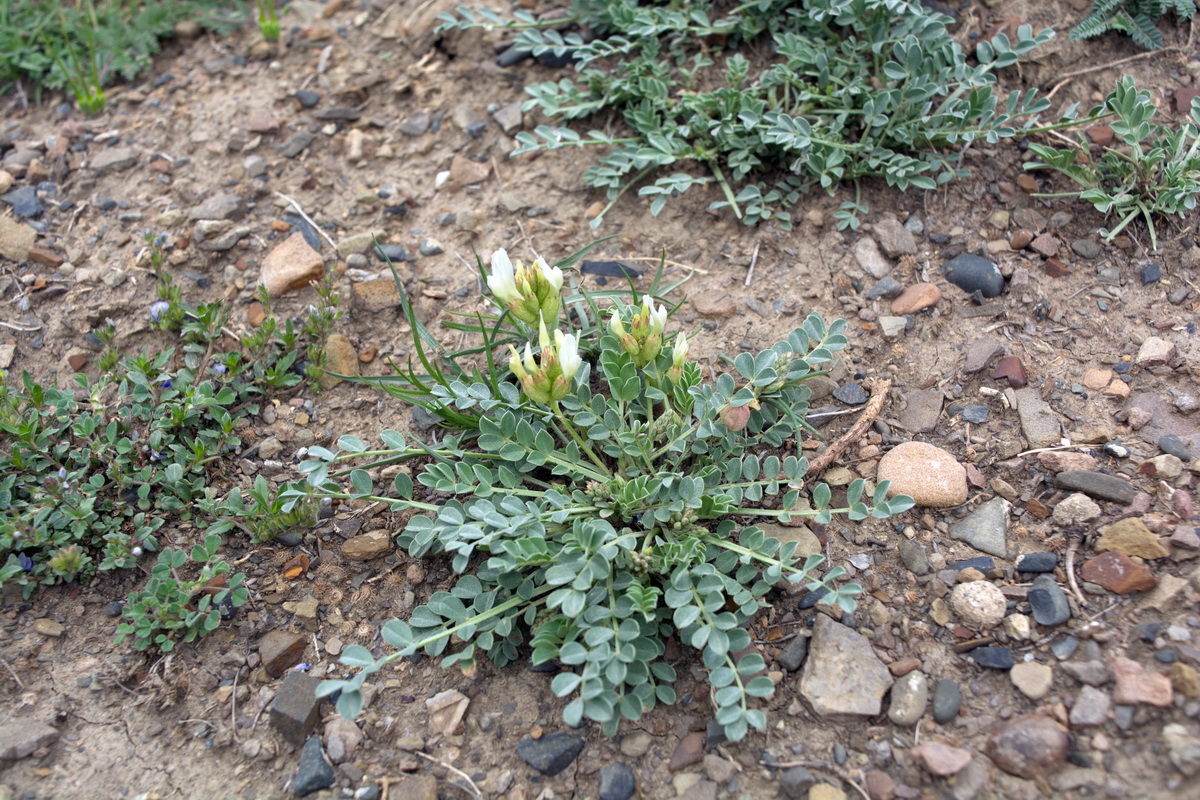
[356,655]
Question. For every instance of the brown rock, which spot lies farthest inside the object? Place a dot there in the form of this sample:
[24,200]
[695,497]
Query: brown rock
[1045,245]
[1097,379]
[280,651]
[1026,182]
[1186,680]
[21,737]
[376,294]
[1100,134]
[1137,685]
[261,120]
[1154,352]
[930,475]
[45,256]
[903,666]
[367,355]
[1028,746]
[1118,389]
[1131,537]
[1010,367]
[690,750]
[15,239]
[49,627]
[714,305]
[366,546]
[1063,460]
[942,759]
[1055,268]
[880,785]
[1184,97]
[1020,238]
[916,298]
[980,352]
[255,314]
[291,265]
[77,361]
[464,172]
[1118,573]
[341,361]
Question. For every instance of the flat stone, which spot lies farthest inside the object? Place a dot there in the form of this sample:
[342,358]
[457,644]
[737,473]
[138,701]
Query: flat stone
[291,265]
[341,360]
[1097,379]
[1062,460]
[368,546]
[1028,746]
[1163,467]
[690,750]
[1173,445]
[1011,369]
[1131,537]
[894,238]
[314,772]
[947,699]
[910,694]
[886,287]
[712,304]
[851,393]
[1097,485]
[114,159]
[1038,422]
[979,354]
[1032,679]
[342,738]
[223,241]
[21,737]
[1037,562]
[871,258]
[465,172]
[880,785]
[1048,601]
[219,206]
[552,753]
[1183,748]
[891,326]
[1136,685]
[973,273]
[1168,588]
[979,605]
[296,144]
[617,782]
[928,474]
[941,759]
[825,791]
[296,707]
[1154,352]
[1092,673]
[280,651]
[1075,508]
[917,297]
[922,410]
[1118,573]
[1086,248]
[985,528]
[993,657]
[914,557]
[15,239]
[261,120]
[1045,245]
[24,201]
[375,295]
[842,675]
[795,783]
[1090,708]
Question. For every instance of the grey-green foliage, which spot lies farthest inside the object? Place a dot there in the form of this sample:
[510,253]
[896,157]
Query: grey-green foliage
[595,531]
[1155,171]
[854,88]
[1136,18]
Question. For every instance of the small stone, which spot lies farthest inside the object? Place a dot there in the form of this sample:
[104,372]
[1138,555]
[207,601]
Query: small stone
[22,737]
[690,750]
[48,627]
[985,528]
[851,394]
[1018,626]
[1092,673]
[291,265]
[1048,601]
[891,327]
[1131,537]
[218,206]
[1027,182]
[307,98]
[871,258]
[795,783]
[894,238]
[1086,248]
[280,651]
[1186,680]
[826,791]
[1063,460]
[261,120]
[114,159]
[431,247]
[930,475]
[1164,467]
[980,352]
[1028,746]
[314,772]
[1154,352]
[367,546]
[636,744]
[341,359]
[910,694]
[466,172]
[1183,748]
[718,770]
[294,711]
[947,699]
[617,782]
[1097,485]
[973,273]
[1090,708]
[359,242]
[980,606]
[993,657]
[842,674]
[15,239]
[1038,562]
[940,759]
[1100,134]
[1010,368]
[1151,273]
[886,287]
[1174,446]
[376,294]
[1032,679]
[552,753]
[880,785]
[296,144]
[1118,573]
[713,304]
[975,414]
[25,202]
[914,557]
[916,298]
[792,657]
[1137,685]
[1075,508]
[342,738]
[1020,238]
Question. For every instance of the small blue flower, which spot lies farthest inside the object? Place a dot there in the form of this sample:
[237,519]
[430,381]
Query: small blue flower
[219,369]
[26,562]
[166,384]
[155,455]
[160,240]
[158,309]
[62,473]
[302,667]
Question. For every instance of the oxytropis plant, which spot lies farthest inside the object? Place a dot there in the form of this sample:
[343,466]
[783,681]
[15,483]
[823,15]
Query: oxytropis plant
[598,499]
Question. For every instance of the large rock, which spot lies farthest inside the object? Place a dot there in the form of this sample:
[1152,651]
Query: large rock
[842,675]
[928,474]
[291,265]
[1028,746]
[20,738]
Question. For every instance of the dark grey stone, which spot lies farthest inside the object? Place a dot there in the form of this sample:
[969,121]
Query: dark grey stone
[296,145]
[982,563]
[993,657]
[947,699]
[391,252]
[340,114]
[552,753]
[1151,273]
[1173,445]
[851,394]
[307,99]
[914,557]
[1049,603]
[796,782]
[886,287]
[311,237]
[24,202]
[973,273]
[976,415]
[794,654]
[315,772]
[812,598]
[1097,485]
[113,608]
[1086,248]
[617,782]
[1037,562]
[1064,648]
[294,710]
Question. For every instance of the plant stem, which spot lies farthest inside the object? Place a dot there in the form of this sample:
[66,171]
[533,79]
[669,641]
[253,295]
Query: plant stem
[720,176]
[583,445]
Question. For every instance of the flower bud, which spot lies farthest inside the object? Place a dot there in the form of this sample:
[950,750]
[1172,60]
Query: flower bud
[735,418]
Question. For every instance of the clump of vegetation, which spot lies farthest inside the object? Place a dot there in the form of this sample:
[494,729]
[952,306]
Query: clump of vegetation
[598,498]
[850,89]
[1136,18]
[1154,171]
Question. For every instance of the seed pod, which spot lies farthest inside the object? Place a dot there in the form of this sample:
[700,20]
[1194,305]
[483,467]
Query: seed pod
[735,417]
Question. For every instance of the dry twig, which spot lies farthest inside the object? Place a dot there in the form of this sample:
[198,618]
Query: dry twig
[478,795]
[1070,567]
[824,766]
[870,413]
[307,218]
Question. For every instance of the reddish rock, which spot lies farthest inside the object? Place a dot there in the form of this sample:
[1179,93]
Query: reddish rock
[690,750]
[1026,182]
[880,785]
[1118,573]
[1045,245]
[45,256]
[1097,379]
[1184,97]
[1063,460]
[1137,685]
[1055,268]
[903,666]
[291,265]
[1010,367]
[942,759]
[915,298]
[260,120]
[1028,746]
[1181,504]
[1100,134]
[255,314]
[77,361]
[1020,238]
[367,546]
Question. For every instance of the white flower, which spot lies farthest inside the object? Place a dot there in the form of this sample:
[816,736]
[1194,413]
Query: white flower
[679,351]
[568,353]
[503,281]
[553,275]
[657,317]
[614,324]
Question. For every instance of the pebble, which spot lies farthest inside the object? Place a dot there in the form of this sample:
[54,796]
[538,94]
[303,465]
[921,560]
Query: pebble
[391,252]
[296,144]
[367,546]
[1028,746]
[891,327]
[1038,422]
[886,287]
[342,738]
[280,651]
[1131,537]
[795,783]
[941,759]
[1075,508]
[895,239]
[851,394]
[947,699]
[1092,673]
[1151,273]
[880,785]
[910,694]
[114,159]
[21,737]
[291,265]
[1010,368]
[219,206]
[1032,679]
[689,751]
[1183,748]
[1038,562]
[985,528]
[826,791]
[307,98]
[976,415]
[431,247]
[979,605]
[24,202]
[314,772]
[980,352]
[916,298]
[1048,601]
[993,657]
[617,782]
[871,258]
[973,273]
[914,557]
[928,474]
[552,753]
[1118,573]
[48,627]
[842,675]
[1137,685]
[794,654]
[1173,445]
[1086,248]
[1154,352]
[1063,460]
[1097,485]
